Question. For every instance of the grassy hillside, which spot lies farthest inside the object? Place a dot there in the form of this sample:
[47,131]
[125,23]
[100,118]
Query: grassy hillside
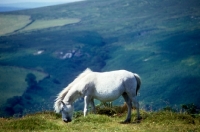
[159,40]
[163,121]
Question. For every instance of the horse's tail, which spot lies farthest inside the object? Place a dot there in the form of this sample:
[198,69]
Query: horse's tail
[138,79]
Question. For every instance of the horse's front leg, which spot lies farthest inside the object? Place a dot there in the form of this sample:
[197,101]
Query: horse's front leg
[86,104]
[93,106]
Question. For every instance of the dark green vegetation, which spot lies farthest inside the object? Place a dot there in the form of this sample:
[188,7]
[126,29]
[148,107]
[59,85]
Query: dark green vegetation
[159,40]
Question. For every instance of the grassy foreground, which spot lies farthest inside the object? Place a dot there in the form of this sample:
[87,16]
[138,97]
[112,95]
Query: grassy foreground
[152,121]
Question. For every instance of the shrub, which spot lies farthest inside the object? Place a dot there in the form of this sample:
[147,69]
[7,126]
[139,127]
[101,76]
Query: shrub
[168,108]
[110,110]
[106,111]
[190,108]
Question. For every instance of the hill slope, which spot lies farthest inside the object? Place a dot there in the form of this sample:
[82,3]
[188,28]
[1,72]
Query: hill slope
[159,40]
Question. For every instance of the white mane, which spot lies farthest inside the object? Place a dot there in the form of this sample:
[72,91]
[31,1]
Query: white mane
[62,94]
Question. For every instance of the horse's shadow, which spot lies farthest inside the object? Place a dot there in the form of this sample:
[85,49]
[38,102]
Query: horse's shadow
[136,121]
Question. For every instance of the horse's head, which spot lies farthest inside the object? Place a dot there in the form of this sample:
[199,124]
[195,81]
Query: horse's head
[67,112]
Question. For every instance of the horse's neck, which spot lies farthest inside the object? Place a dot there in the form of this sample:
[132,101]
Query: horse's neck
[71,96]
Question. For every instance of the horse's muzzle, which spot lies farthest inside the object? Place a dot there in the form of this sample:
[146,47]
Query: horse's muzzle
[67,120]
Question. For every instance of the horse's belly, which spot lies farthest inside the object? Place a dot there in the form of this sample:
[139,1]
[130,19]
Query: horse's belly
[108,87]
[106,95]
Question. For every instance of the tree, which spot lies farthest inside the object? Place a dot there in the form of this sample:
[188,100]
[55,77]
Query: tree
[14,105]
[31,80]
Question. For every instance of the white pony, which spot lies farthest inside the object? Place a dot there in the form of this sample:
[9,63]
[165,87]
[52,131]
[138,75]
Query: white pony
[105,86]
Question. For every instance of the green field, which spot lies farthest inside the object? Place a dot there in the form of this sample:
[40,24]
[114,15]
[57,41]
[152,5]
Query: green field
[159,40]
[10,23]
[42,24]
[15,23]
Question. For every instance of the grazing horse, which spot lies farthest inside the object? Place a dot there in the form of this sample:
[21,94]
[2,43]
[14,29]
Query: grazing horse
[103,86]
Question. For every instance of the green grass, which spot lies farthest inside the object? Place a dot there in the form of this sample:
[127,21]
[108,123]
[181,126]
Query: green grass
[162,121]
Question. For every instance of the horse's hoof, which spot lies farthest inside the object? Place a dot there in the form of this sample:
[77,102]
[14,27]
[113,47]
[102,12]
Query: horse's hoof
[125,122]
[66,121]
[139,118]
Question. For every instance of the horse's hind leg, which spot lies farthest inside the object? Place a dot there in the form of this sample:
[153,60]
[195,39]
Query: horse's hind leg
[129,104]
[136,104]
